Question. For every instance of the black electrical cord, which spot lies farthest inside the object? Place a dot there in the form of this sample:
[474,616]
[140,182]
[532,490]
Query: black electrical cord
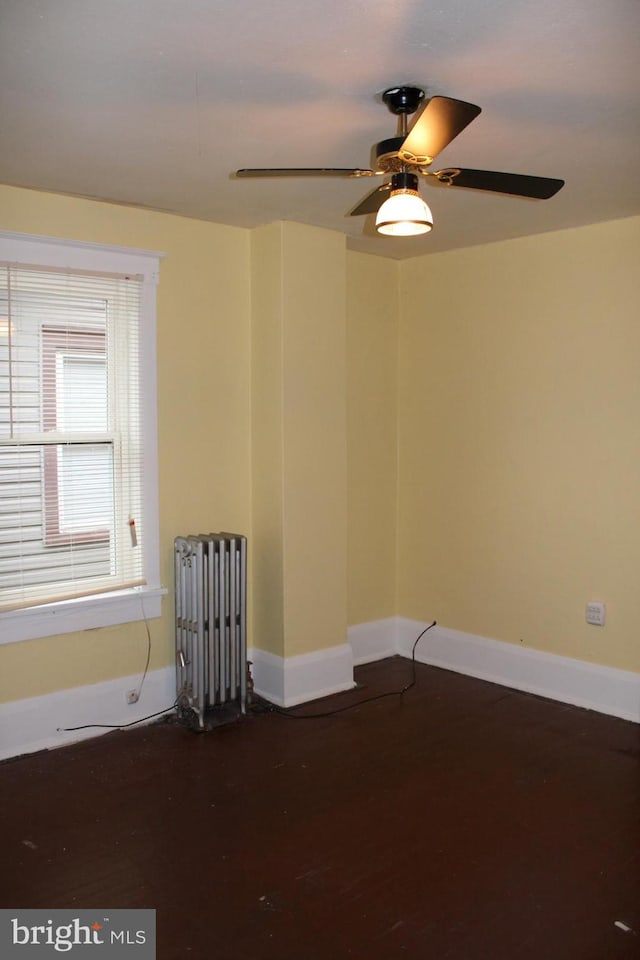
[146,666]
[118,726]
[132,723]
[272,708]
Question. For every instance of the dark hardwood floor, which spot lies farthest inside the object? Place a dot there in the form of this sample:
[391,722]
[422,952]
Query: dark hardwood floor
[461,822]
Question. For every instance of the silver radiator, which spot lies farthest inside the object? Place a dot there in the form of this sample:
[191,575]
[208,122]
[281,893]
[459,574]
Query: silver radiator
[211,622]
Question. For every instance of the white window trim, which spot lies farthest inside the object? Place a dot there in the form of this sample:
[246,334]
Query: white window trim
[137,603]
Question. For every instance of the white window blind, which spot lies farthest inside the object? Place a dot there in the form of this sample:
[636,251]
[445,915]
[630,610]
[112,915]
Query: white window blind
[71,473]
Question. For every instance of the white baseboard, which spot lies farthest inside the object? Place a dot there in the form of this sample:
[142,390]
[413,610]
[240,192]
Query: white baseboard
[373,641]
[268,675]
[37,723]
[589,685]
[604,689]
[287,681]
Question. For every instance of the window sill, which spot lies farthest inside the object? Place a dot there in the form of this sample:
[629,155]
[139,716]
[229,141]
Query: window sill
[86,613]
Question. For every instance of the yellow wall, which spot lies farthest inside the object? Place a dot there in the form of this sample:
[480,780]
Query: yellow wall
[477,411]
[281,292]
[519,440]
[203,412]
[299,442]
[267,569]
[315,427]
[372,332]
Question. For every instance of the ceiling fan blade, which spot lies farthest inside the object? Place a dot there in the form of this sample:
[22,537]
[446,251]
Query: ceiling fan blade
[437,125]
[516,184]
[372,202]
[304,172]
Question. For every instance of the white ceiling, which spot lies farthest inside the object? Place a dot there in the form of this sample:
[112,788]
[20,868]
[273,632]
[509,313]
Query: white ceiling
[156,103]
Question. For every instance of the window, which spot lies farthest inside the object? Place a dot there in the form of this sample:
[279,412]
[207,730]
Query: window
[78,475]
[74,398]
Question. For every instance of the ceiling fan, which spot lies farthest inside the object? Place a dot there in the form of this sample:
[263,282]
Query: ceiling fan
[409,155]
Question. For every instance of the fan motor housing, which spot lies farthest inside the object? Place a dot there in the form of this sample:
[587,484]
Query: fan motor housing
[401,100]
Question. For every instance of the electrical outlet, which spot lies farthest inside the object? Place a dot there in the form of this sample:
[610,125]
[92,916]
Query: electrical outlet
[132,696]
[596,613]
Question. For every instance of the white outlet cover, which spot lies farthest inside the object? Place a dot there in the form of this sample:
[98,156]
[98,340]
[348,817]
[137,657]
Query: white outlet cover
[596,613]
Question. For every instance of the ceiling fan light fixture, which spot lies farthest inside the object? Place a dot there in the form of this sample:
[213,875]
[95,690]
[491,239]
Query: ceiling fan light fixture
[400,210]
[404,213]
